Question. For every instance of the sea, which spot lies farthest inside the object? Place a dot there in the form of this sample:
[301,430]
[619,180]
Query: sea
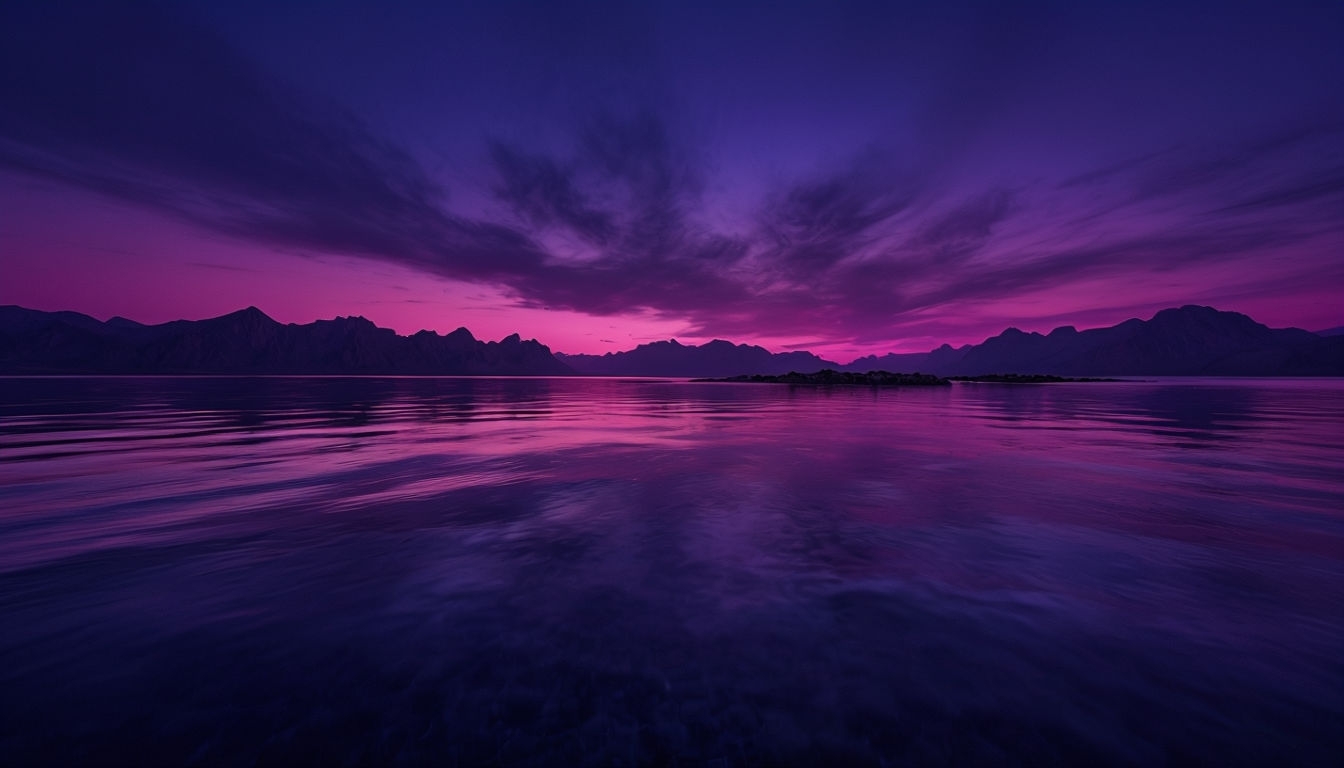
[564,571]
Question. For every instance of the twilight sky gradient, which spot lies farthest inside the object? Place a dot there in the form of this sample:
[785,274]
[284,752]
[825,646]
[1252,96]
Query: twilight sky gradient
[850,178]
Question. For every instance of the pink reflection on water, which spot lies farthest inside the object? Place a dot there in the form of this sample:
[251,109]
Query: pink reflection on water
[1073,557]
[156,465]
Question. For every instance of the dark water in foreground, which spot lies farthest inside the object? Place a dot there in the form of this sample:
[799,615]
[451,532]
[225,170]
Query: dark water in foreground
[353,571]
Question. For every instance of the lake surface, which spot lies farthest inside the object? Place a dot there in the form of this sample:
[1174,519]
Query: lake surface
[551,571]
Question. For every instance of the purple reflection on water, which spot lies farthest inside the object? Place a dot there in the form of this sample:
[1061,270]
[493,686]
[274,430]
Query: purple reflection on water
[566,571]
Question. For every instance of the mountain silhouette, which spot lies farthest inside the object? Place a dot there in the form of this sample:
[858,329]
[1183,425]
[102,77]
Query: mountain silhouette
[1189,341]
[249,342]
[717,358]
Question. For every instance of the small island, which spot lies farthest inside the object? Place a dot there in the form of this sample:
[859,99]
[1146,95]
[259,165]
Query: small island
[830,378]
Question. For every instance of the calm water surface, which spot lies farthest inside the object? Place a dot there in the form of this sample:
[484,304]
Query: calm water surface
[508,571]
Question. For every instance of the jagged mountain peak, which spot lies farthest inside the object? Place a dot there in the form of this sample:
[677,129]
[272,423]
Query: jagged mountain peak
[461,333]
[250,312]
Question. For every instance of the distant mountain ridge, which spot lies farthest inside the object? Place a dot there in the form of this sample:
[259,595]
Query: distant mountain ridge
[717,358]
[250,342]
[1185,341]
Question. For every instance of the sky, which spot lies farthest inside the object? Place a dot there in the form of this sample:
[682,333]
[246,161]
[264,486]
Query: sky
[845,177]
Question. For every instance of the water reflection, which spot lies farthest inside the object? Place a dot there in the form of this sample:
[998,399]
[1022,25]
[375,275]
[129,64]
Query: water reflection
[558,571]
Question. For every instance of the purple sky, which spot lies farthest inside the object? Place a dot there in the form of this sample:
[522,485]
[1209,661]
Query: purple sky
[850,178]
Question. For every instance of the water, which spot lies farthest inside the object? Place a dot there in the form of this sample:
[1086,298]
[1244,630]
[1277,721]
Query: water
[510,571]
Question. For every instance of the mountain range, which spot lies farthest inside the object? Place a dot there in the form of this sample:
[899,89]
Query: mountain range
[249,342]
[717,358]
[1188,341]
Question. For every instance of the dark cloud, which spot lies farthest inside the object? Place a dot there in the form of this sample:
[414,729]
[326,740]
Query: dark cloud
[862,300]
[545,194]
[1111,170]
[972,221]
[139,103]
[816,224]
[1301,163]
[1328,185]
[949,240]
[634,161]
[645,254]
